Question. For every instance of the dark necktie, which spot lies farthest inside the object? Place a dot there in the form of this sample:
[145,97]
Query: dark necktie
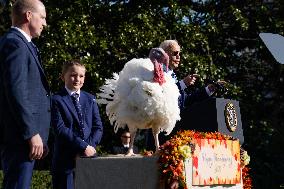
[125,149]
[174,76]
[35,49]
[75,98]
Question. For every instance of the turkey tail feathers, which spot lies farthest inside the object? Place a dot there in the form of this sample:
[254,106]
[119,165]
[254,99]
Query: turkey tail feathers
[107,90]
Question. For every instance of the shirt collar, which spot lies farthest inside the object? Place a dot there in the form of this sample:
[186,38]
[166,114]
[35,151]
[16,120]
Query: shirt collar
[24,33]
[70,92]
[170,71]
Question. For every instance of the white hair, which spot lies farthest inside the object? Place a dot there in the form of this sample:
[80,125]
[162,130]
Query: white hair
[167,44]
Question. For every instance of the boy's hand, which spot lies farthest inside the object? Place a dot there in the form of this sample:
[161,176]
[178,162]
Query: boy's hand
[90,151]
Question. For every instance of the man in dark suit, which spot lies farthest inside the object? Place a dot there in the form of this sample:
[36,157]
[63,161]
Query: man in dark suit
[172,48]
[77,125]
[186,99]
[24,95]
[123,147]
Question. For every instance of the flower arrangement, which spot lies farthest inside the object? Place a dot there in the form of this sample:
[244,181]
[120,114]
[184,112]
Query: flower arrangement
[245,159]
[179,147]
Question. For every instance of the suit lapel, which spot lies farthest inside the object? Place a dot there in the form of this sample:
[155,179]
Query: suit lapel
[37,59]
[31,49]
[69,103]
[84,103]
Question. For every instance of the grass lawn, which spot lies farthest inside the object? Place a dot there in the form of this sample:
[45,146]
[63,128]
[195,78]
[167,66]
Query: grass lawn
[41,180]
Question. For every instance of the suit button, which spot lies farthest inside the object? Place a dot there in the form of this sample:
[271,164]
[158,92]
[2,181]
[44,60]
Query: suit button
[47,95]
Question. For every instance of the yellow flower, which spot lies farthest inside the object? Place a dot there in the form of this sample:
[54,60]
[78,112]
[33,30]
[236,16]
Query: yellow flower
[245,158]
[185,151]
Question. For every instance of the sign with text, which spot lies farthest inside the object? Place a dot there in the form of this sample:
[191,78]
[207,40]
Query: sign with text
[216,162]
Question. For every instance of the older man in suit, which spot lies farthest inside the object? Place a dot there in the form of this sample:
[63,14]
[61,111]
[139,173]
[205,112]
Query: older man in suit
[186,99]
[24,95]
[172,48]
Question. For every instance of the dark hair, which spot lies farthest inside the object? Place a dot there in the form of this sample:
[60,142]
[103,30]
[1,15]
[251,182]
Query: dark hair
[70,63]
[121,131]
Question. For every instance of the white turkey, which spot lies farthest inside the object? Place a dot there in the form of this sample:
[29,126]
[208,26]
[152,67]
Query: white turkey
[142,96]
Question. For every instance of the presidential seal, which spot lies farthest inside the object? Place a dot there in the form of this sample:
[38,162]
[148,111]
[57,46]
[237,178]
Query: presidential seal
[231,117]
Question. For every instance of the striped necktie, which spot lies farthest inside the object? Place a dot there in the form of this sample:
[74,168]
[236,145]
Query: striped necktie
[75,98]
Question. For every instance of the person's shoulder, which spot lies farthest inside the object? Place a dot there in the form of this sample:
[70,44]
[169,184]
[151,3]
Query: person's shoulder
[87,94]
[14,35]
[11,40]
[59,94]
[56,95]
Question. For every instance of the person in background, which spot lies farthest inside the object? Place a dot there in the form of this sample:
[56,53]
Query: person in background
[24,96]
[172,48]
[186,99]
[124,145]
[77,125]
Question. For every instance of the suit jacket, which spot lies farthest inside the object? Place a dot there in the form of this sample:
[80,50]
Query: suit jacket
[24,91]
[65,123]
[186,98]
[122,150]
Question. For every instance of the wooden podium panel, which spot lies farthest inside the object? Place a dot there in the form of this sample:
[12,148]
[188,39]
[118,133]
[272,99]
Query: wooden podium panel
[117,172]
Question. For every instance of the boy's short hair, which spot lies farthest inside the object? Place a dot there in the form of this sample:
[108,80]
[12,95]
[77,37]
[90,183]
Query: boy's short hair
[70,63]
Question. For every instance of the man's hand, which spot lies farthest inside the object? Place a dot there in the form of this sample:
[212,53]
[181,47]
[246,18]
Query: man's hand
[217,86]
[222,82]
[90,151]
[190,79]
[45,151]
[36,147]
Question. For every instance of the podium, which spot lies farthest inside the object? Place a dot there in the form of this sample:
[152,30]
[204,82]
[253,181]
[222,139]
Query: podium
[210,155]
[117,172]
[213,165]
[214,114]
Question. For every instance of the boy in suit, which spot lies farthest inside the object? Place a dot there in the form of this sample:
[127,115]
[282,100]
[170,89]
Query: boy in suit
[24,95]
[76,122]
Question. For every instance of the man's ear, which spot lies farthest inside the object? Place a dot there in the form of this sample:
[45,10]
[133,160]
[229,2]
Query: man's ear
[61,76]
[28,15]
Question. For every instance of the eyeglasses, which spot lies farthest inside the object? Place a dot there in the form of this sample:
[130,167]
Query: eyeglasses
[175,53]
[125,136]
